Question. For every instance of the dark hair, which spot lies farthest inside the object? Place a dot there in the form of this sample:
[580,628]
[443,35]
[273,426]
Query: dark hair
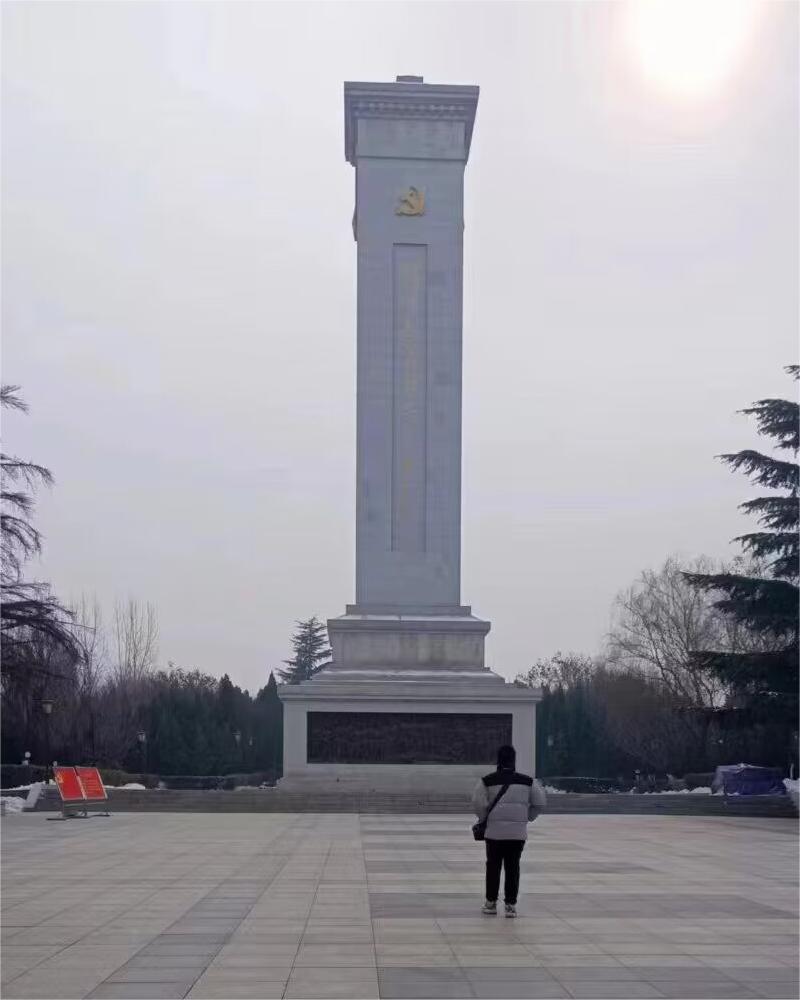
[506,758]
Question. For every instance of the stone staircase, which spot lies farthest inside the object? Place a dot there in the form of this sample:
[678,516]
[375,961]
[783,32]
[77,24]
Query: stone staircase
[275,800]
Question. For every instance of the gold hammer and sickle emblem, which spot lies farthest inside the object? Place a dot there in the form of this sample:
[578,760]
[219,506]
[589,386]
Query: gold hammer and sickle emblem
[411,203]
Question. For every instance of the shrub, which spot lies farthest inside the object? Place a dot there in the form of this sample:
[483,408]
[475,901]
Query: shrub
[701,779]
[207,782]
[111,776]
[252,780]
[191,782]
[12,775]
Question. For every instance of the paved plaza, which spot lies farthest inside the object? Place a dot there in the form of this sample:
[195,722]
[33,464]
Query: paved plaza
[347,906]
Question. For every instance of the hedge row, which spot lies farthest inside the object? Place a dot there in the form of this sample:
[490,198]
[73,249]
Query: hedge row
[227,782]
[13,775]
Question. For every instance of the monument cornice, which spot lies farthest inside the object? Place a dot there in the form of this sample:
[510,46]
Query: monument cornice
[438,624]
[391,692]
[395,101]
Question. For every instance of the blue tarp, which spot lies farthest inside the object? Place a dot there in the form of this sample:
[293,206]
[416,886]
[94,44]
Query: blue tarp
[747,779]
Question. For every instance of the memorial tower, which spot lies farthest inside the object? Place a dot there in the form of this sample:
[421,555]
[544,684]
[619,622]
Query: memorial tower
[407,695]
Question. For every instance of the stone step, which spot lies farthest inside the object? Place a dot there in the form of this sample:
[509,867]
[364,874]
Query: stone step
[277,801]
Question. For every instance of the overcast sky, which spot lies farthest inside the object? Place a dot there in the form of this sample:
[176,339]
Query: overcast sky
[179,304]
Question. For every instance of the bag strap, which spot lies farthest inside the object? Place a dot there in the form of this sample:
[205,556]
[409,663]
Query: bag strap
[497,798]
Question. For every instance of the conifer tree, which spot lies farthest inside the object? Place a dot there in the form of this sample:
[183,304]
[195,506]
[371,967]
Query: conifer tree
[269,710]
[765,605]
[311,652]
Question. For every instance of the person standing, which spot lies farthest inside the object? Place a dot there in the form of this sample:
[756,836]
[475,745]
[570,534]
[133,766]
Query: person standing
[518,799]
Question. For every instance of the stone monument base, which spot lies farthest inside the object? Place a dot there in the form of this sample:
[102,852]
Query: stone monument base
[406,704]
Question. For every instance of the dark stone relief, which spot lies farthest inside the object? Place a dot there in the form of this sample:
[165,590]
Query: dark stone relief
[405,737]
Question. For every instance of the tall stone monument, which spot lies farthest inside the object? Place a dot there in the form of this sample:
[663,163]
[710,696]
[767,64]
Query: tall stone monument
[407,698]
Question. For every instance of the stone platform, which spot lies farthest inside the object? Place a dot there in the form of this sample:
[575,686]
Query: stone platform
[407,705]
[348,906]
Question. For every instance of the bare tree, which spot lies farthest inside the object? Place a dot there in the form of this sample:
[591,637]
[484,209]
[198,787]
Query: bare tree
[563,670]
[125,689]
[31,618]
[93,642]
[660,620]
[92,670]
[136,637]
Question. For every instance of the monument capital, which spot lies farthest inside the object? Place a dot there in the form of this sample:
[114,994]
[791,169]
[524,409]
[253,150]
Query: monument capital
[408,99]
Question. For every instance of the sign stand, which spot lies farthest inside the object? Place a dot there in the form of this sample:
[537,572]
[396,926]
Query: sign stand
[77,787]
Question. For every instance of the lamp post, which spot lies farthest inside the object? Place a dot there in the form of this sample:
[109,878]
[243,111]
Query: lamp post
[47,711]
[141,736]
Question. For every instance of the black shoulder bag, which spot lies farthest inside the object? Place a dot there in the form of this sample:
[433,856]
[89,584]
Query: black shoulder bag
[479,828]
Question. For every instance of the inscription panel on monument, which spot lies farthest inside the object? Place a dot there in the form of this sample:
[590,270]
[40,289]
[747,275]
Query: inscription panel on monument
[410,396]
[405,737]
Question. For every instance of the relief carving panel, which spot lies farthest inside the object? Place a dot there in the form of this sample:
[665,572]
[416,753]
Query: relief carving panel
[405,737]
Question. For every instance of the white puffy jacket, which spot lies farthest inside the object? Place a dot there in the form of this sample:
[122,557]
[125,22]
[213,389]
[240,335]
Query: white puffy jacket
[520,805]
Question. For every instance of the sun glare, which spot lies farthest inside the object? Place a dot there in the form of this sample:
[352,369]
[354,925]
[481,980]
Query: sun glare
[689,48]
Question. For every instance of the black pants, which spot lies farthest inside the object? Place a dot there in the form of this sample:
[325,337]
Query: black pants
[499,854]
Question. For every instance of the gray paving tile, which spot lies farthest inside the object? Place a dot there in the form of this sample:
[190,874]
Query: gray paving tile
[593,973]
[614,991]
[703,991]
[238,991]
[516,974]
[519,991]
[388,977]
[418,990]
[137,991]
[160,950]
[773,973]
[675,973]
[180,937]
[775,991]
[167,962]
[175,976]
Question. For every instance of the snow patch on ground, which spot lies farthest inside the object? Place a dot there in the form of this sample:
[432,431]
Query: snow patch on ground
[10,804]
[700,790]
[553,791]
[132,786]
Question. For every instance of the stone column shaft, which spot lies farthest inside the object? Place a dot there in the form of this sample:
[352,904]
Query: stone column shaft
[409,143]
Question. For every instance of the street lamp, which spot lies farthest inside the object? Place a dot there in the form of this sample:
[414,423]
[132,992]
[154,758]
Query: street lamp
[141,736]
[47,711]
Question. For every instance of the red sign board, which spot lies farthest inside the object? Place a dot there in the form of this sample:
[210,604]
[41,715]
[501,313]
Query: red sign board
[92,783]
[69,786]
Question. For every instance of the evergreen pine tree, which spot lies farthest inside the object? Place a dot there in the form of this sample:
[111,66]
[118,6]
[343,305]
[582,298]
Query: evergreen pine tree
[765,605]
[311,652]
[274,720]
